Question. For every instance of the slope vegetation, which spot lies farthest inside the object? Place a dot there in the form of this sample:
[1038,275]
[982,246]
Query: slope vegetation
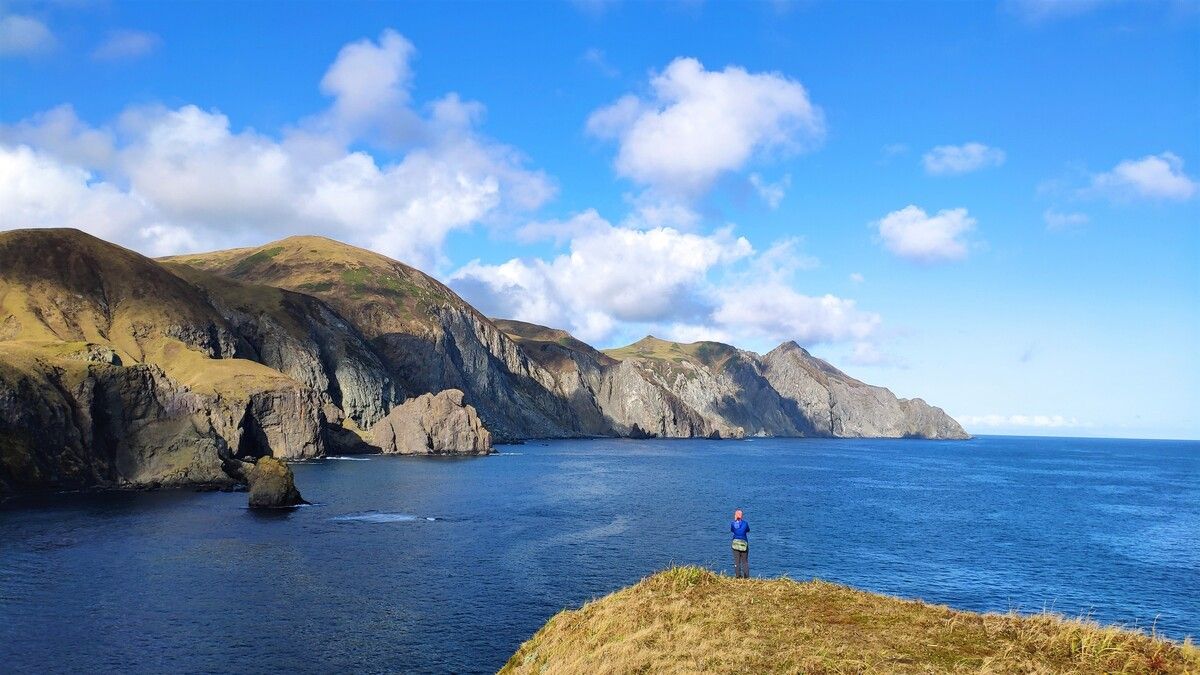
[689,620]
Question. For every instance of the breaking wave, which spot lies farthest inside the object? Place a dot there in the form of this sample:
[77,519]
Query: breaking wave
[374,517]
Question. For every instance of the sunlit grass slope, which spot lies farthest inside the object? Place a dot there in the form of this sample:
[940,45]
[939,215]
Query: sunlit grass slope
[690,620]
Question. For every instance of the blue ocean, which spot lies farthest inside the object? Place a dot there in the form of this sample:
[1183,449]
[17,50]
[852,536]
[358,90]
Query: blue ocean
[447,565]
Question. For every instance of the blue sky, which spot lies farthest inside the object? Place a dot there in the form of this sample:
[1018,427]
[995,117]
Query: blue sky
[995,207]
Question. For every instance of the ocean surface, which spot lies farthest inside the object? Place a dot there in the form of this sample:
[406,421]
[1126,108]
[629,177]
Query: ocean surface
[447,565]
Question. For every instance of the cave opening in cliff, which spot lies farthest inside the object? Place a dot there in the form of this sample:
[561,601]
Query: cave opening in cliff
[253,442]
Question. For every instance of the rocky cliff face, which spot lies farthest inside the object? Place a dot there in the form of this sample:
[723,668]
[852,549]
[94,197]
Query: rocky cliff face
[74,423]
[121,371]
[835,404]
[115,372]
[427,336]
[433,424]
[660,388]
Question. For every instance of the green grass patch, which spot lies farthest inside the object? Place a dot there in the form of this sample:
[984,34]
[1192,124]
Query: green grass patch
[251,261]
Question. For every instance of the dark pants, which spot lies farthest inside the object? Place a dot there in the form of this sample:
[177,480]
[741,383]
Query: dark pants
[741,564]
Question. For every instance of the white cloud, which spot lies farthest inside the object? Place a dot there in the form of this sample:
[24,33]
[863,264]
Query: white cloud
[775,312]
[60,132]
[913,234]
[698,124]
[561,231]
[187,171]
[121,45]
[610,274]
[24,36]
[1059,222]
[857,278]
[782,260]
[37,190]
[1151,177]
[771,193]
[618,279]
[371,83]
[959,159]
[1029,421]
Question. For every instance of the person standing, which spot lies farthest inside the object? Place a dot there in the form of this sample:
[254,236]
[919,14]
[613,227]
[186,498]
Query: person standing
[741,546]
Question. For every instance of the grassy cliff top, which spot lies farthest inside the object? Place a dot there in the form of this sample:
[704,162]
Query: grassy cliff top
[380,294]
[651,348]
[541,342]
[688,619]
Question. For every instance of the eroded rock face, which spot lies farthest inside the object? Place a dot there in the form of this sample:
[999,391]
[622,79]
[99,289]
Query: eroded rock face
[835,404]
[707,389]
[272,485]
[433,424]
[72,424]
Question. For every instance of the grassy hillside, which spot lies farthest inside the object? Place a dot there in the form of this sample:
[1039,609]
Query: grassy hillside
[64,285]
[379,294]
[550,346]
[63,292]
[650,348]
[687,619]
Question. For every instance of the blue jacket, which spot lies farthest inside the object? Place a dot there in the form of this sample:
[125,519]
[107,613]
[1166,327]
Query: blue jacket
[739,528]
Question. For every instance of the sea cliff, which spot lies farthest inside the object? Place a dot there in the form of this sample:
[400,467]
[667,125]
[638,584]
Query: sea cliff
[117,370]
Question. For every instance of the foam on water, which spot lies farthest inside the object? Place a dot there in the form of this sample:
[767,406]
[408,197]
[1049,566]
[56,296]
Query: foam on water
[381,518]
[350,459]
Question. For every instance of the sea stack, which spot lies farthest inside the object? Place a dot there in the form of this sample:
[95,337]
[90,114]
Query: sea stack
[272,485]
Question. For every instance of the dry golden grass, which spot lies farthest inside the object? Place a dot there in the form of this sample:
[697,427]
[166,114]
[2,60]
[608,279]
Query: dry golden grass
[379,294]
[690,620]
[654,349]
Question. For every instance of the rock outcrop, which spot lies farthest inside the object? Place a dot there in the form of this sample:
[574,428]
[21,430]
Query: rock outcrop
[272,485]
[433,424]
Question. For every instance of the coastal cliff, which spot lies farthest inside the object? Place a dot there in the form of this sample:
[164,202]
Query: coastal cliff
[688,619]
[708,389]
[117,370]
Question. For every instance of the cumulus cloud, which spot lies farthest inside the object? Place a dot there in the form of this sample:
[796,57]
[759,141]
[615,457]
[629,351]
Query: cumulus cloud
[959,159]
[775,311]
[24,36]
[1058,221]
[37,189]
[697,124]
[1158,177]
[370,82]
[1029,421]
[188,171]
[122,45]
[561,231]
[60,133]
[660,280]
[915,235]
[610,274]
